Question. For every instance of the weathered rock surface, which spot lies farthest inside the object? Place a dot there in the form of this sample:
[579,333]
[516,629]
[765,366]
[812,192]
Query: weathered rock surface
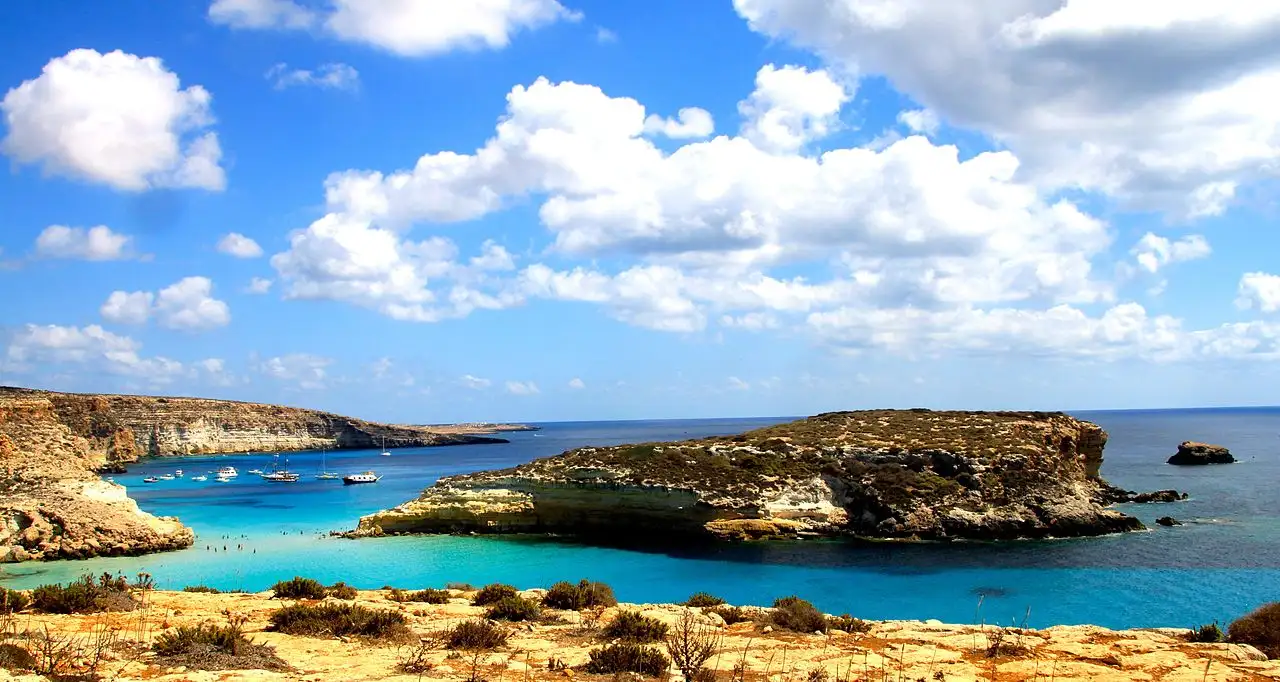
[1191,453]
[1168,521]
[54,506]
[910,474]
[888,650]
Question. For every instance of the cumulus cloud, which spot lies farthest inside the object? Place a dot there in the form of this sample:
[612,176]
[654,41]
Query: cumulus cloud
[1155,106]
[689,122]
[474,382]
[410,29]
[302,370]
[921,121]
[331,76]
[239,246]
[522,388]
[790,107]
[1259,290]
[258,285]
[1154,252]
[95,244]
[577,384]
[89,348]
[186,305]
[115,119]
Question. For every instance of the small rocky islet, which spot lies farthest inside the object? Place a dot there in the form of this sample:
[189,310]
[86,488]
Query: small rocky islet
[1192,453]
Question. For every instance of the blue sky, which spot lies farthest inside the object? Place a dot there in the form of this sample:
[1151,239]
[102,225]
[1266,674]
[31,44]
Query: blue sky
[542,210]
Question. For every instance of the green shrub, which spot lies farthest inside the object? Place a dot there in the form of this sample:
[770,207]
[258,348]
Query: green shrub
[492,594]
[1207,634]
[627,657]
[427,596]
[341,590]
[584,595]
[85,595]
[12,600]
[476,635]
[514,608]
[703,600]
[632,626]
[797,615]
[1261,628]
[847,623]
[298,588]
[202,589]
[211,647]
[730,614]
[336,620]
[187,637]
[15,657]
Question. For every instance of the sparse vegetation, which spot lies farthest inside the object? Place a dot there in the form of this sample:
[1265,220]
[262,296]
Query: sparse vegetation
[797,615]
[703,600]
[428,596]
[584,595]
[632,626]
[474,635]
[730,614]
[12,600]
[514,608]
[691,644]
[492,594]
[337,620]
[86,595]
[847,623]
[627,657]
[204,589]
[341,590]
[213,647]
[1208,634]
[461,587]
[298,588]
[1260,628]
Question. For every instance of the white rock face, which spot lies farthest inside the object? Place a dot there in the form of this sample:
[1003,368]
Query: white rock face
[813,500]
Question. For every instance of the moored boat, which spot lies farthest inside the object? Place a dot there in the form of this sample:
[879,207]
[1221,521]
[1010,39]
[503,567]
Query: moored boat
[228,472]
[201,477]
[150,479]
[355,479]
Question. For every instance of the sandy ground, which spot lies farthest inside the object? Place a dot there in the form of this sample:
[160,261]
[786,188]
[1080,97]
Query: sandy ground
[901,651]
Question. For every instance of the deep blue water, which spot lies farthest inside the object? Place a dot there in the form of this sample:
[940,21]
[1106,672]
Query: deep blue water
[1222,563]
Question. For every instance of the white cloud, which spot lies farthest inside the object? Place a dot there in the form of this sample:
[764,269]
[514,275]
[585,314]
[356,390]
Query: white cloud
[127,308]
[689,122]
[1154,252]
[791,107]
[1154,104]
[1259,290]
[238,245]
[754,321]
[474,382]
[380,367]
[522,388]
[410,29]
[331,76]
[303,370]
[115,119]
[96,243]
[577,384]
[258,285]
[91,347]
[186,305]
[604,36]
[737,384]
[921,121]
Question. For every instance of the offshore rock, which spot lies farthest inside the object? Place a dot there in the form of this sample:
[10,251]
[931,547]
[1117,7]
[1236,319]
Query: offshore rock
[1192,453]
[895,474]
[1168,521]
[53,504]
[1109,494]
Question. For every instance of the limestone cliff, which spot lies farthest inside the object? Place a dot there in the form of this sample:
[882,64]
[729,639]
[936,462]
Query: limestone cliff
[54,506]
[912,474]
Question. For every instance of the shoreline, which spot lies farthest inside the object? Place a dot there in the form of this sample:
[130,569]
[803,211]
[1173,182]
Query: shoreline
[892,649]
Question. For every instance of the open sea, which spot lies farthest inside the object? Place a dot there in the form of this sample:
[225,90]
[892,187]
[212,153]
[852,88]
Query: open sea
[1224,562]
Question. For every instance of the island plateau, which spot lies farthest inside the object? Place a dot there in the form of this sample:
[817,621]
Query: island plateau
[54,504]
[881,474]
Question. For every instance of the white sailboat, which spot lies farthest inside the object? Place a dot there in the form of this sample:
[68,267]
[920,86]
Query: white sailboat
[325,474]
[384,447]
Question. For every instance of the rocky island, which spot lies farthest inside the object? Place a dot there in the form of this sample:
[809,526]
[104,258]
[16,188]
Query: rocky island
[54,505]
[1193,453]
[891,474]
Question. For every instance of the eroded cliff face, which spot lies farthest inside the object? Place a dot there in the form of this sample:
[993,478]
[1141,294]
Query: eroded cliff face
[884,474]
[53,504]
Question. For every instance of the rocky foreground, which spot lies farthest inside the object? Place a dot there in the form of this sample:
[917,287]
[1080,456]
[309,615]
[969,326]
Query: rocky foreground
[557,650]
[54,505]
[894,474]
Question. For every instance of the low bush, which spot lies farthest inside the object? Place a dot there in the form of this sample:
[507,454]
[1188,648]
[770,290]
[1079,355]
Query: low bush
[586,594]
[298,588]
[1261,628]
[14,657]
[336,620]
[797,615]
[492,594]
[847,623]
[428,596]
[1206,634]
[12,600]
[476,635]
[201,589]
[703,600]
[627,657]
[730,614]
[85,595]
[632,626]
[213,647]
[514,608]
[341,590]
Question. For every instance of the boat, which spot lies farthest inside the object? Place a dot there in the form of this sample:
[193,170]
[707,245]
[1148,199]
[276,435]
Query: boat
[384,447]
[325,474]
[178,473]
[167,477]
[281,477]
[355,479]
[228,472]
[150,479]
[201,477]
[223,479]
[256,472]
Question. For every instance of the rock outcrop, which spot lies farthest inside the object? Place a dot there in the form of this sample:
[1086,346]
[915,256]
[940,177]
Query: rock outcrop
[1168,521]
[53,505]
[1109,494]
[912,474]
[1191,453]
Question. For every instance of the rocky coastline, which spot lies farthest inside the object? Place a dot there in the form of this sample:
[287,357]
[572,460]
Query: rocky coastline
[914,475]
[54,505]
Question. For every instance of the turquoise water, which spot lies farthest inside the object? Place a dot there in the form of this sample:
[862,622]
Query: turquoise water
[1225,561]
